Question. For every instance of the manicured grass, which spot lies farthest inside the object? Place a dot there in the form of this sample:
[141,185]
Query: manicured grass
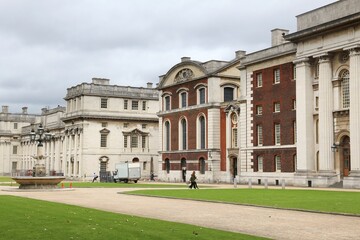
[6,179]
[119,185]
[314,200]
[34,219]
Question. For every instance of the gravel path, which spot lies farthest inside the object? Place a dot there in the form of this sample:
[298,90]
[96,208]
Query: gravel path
[266,222]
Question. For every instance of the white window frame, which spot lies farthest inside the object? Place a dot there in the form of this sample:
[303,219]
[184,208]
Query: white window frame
[277,163]
[260,140]
[276,76]
[260,160]
[259,110]
[259,80]
[276,107]
[277,134]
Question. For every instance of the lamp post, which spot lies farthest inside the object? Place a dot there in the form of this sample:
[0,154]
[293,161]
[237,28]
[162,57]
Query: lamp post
[39,137]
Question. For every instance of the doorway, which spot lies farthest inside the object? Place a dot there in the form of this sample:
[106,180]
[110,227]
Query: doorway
[183,169]
[233,167]
[346,159]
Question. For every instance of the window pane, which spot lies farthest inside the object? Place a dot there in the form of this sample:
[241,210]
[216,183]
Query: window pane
[228,94]
[202,132]
[125,104]
[260,163]
[135,105]
[104,102]
[278,163]
[202,95]
[125,141]
[103,140]
[167,103]
[277,133]
[183,99]
[202,166]
[144,105]
[259,79]
[260,135]
[277,76]
[183,126]
[143,141]
[134,141]
[167,136]
[345,89]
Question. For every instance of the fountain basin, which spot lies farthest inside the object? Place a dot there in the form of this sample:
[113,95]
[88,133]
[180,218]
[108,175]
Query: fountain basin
[47,182]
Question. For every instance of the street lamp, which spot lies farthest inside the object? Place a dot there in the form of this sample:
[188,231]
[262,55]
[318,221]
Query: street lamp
[39,136]
[334,147]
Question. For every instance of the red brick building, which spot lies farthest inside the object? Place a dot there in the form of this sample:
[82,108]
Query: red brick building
[268,113]
[194,118]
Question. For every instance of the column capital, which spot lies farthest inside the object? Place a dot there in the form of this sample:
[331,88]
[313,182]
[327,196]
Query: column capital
[354,49]
[300,61]
[324,57]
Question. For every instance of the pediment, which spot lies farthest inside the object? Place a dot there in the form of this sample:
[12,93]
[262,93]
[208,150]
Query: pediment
[135,131]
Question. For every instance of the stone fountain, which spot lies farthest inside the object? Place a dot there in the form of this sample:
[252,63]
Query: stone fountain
[39,180]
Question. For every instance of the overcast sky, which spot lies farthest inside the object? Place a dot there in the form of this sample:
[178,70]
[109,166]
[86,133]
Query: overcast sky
[47,46]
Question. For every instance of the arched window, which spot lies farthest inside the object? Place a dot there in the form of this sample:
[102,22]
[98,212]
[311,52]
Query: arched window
[167,165]
[167,136]
[201,133]
[183,134]
[345,91]
[202,165]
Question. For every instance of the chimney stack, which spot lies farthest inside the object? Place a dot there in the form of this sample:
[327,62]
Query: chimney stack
[149,85]
[185,59]
[24,110]
[5,109]
[277,36]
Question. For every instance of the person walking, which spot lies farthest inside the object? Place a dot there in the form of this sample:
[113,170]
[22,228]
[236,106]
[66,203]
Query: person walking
[193,183]
[95,177]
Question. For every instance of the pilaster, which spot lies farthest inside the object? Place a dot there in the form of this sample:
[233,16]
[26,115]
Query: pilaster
[304,116]
[355,110]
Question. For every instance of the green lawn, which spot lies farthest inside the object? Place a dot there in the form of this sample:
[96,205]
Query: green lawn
[313,200]
[24,218]
[5,179]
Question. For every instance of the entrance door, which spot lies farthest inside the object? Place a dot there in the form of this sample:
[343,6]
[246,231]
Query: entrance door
[346,156]
[233,167]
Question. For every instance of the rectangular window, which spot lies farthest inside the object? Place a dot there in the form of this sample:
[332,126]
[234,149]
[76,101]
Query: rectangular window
[126,104]
[260,163]
[167,103]
[104,102]
[276,107]
[277,133]
[104,124]
[143,141]
[15,149]
[126,125]
[278,163]
[103,140]
[259,110]
[144,105]
[134,105]
[144,126]
[228,94]
[15,125]
[259,80]
[201,95]
[276,76]
[316,103]
[260,135]
[134,141]
[125,141]
[235,138]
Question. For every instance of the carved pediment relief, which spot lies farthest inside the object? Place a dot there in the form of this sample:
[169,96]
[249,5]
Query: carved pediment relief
[184,75]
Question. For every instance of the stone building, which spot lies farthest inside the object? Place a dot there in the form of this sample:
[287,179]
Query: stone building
[11,125]
[102,125]
[106,124]
[327,89]
[198,120]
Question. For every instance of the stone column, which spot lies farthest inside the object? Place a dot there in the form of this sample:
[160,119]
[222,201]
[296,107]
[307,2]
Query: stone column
[304,117]
[326,126]
[355,111]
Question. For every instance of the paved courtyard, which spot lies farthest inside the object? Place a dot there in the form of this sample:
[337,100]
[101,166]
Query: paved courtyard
[266,222]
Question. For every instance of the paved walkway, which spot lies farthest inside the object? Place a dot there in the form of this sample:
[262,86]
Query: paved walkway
[266,222]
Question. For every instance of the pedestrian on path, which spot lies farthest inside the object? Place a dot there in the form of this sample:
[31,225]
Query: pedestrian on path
[193,183]
[95,177]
